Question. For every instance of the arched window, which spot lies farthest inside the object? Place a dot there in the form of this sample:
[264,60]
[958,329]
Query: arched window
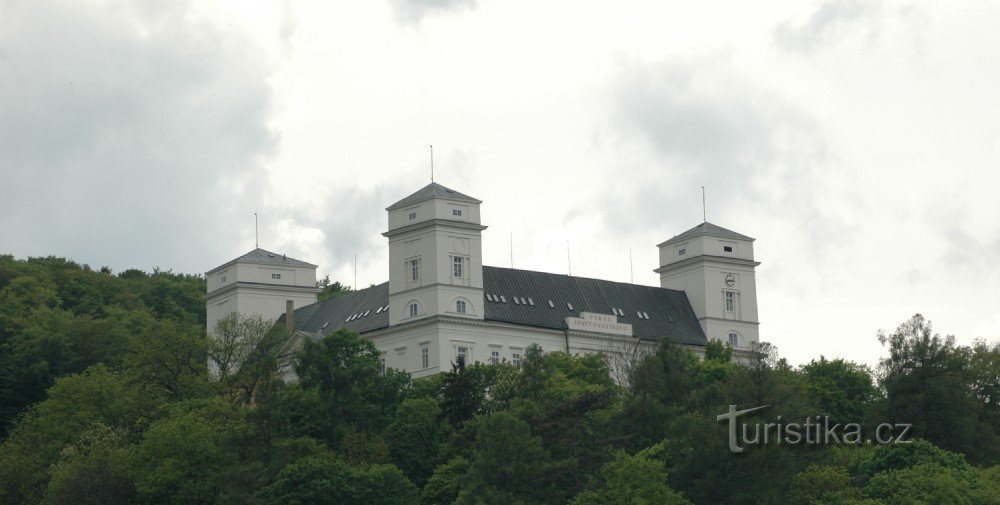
[462,305]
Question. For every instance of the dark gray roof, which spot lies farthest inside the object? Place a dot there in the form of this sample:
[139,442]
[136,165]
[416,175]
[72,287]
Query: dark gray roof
[262,257]
[355,310]
[432,190]
[670,313]
[707,228]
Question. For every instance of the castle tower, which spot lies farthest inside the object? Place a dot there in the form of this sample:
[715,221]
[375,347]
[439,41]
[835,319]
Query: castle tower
[259,282]
[435,256]
[715,268]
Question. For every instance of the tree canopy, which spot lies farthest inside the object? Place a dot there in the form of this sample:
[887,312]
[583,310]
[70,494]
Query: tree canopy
[112,392]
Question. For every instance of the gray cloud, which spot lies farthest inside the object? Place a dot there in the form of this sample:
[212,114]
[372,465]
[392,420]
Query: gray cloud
[414,11]
[129,132]
[832,20]
[967,250]
[705,123]
[765,163]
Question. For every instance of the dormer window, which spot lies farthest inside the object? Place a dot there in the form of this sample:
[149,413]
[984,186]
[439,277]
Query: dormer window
[413,215]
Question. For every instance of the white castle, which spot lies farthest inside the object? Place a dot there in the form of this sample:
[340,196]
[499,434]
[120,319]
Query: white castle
[440,302]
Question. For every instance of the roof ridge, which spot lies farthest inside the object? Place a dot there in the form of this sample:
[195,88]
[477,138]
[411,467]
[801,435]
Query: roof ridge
[432,190]
[581,278]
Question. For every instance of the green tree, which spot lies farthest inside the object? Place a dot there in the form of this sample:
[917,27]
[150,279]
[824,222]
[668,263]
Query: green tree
[632,480]
[75,404]
[415,437]
[568,401]
[189,456]
[462,395]
[170,356]
[509,465]
[329,481]
[841,389]
[822,484]
[92,471]
[446,482]
[928,383]
[344,387]
[329,289]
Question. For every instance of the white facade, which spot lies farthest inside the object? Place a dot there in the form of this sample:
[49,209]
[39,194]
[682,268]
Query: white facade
[425,237]
[258,283]
[485,342]
[435,260]
[715,268]
[437,305]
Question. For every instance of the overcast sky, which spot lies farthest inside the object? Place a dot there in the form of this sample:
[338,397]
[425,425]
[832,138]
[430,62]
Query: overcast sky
[857,141]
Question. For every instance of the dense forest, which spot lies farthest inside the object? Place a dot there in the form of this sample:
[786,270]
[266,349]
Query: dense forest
[106,396]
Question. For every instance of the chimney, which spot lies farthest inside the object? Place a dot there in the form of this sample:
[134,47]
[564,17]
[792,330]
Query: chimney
[290,315]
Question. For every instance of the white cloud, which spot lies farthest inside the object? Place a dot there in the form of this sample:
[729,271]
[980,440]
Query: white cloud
[834,19]
[414,11]
[128,129]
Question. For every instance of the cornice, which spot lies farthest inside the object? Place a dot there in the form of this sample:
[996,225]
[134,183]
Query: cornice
[433,222]
[707,257]
[722,319]
[259,286]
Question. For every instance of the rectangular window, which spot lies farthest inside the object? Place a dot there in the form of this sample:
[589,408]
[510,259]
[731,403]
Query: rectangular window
[681,252]
[727,248]
[222,280]
[414,310]
[382,360]
[460,306]
[463,353]
[730,301]
[734,339]
[457,266]
[456,212]
[275,276]
[414,270]
[413,215]
[515,358]
[495,357]
[425,357]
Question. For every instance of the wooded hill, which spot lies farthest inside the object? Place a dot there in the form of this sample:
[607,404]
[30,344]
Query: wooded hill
[105,397]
